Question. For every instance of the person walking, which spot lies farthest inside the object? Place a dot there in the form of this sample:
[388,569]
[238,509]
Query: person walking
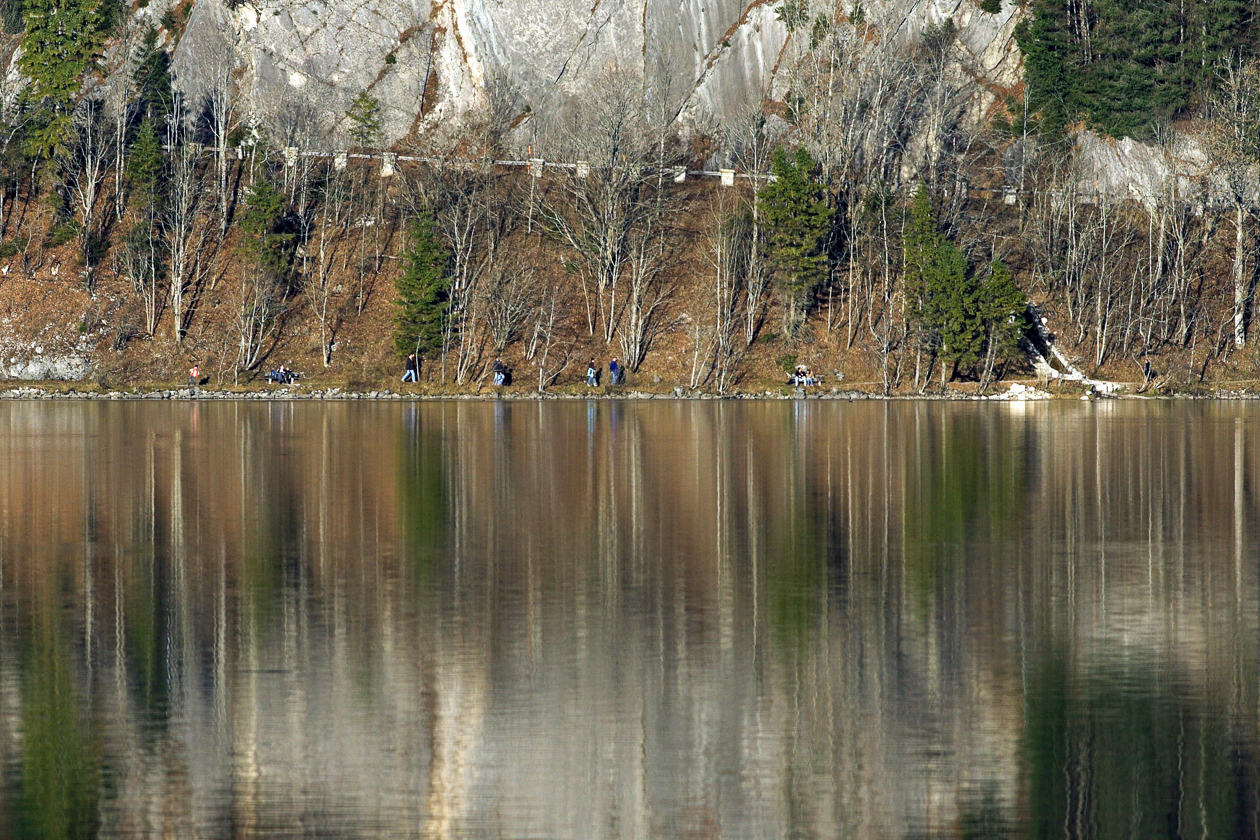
[614,372]
[412,368]
[194,376]
[592,373]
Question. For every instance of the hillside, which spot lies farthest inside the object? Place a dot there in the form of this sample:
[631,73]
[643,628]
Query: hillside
[172,193]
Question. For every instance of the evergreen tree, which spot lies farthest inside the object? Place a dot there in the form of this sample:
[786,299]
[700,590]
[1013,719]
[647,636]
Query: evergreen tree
[954,307]
[11,16]
[365,120]
[266,238]
[151,77]
[144,169]
[944,294]
[1002,307]
[423,291]
[919,245]
[1123,66]
[797,217]
[62,42]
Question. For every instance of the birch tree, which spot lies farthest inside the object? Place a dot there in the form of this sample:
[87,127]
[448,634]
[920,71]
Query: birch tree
[185,233]
[89,157]
[603,207]
[1233,141]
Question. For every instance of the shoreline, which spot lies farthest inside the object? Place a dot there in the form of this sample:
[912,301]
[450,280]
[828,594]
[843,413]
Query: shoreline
[1014,392]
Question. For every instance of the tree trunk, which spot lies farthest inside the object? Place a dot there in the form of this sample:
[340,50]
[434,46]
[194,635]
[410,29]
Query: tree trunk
[1240,282]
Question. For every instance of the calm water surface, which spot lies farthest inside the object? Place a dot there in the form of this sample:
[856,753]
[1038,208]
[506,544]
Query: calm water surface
[629,620]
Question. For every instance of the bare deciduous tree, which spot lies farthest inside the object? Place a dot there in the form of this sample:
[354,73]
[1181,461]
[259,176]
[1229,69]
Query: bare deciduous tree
[649,287]
[258,304]
[549,336]
[85,173]
[751,138]
[186,234]
[141,264]
[222,116]
[511,295]
[333,221]
[1233,143]
[602,207]
[729,254]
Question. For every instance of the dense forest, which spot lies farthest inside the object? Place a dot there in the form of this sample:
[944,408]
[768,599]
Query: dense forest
[886,217]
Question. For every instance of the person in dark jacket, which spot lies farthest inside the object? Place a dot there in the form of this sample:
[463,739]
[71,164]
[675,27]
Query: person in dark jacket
[412,368]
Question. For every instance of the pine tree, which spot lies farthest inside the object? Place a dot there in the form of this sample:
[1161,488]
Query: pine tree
[423,291]
[797,217]
[62,42]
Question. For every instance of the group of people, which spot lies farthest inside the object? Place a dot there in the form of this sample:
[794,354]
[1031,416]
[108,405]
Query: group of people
[502,373]
[804,376]
[283,375]
[616,373]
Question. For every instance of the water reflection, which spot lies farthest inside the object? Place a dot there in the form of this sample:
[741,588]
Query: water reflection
[629,620]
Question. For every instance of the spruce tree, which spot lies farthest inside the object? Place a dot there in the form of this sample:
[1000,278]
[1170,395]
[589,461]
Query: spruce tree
[797,217]
[151,77]
[944,295]
[62,42]
[365,120]
[1123,66]
[1002,307]
[144,169]
[919,245]
[262,223]
[954,308]
[423,291]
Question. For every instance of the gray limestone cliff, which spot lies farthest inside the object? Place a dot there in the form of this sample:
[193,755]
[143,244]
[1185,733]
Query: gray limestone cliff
[431,64]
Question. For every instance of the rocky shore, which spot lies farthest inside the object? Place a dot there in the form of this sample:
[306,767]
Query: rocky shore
[1016,392]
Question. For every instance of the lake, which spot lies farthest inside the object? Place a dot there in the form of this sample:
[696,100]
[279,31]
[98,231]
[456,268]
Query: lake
[676,619]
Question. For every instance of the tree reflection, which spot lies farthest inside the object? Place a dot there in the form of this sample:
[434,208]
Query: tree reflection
[60,780]
[589,619]
[1123,753]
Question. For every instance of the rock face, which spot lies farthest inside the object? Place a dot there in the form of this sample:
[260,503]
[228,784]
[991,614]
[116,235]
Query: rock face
[429,64]
[71,368]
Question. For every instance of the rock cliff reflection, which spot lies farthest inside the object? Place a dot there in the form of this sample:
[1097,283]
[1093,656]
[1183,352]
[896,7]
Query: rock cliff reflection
[658,619]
